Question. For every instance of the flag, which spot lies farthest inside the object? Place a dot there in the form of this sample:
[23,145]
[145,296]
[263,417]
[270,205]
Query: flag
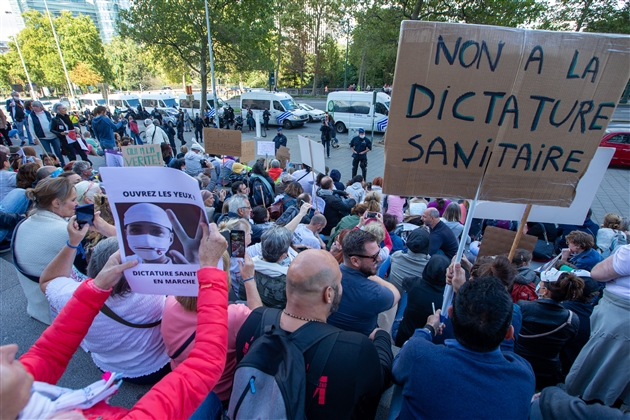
[382,125]
[283,116]
[212,112]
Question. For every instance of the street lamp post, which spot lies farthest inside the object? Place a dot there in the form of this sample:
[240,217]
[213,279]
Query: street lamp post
[214,86]
[345,73]
[63,63]
[17,44]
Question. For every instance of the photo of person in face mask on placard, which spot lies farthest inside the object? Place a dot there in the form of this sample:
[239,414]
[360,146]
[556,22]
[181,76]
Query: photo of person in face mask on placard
[150,232]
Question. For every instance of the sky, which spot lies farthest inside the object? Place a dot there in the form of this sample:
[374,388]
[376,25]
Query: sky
[8,24]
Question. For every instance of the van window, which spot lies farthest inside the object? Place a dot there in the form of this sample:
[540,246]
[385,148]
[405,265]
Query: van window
[168,103]
[277,106]
[87,102]
[289,104]
[352,107]
[259,104]
[132,103]
[115,102]
[151,103]
[380,108]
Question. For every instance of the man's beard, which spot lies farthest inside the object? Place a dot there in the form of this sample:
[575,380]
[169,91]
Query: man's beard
[368,270]
[336,300]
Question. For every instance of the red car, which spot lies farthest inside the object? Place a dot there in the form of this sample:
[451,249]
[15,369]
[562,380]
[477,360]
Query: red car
[620,140]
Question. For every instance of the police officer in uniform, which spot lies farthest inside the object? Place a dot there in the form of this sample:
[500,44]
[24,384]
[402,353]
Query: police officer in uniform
[360,146]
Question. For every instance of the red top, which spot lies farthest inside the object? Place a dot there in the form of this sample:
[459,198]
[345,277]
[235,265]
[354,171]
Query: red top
[176,396]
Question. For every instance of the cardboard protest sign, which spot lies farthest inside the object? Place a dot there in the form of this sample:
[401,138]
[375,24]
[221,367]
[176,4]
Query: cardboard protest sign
[497,241]
[222,142]
[283,155]
[531,106]
[248,151]
[157,213]
[143,155]
[573,215]
[266,148]
[312,154]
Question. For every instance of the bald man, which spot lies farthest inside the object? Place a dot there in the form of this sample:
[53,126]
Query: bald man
[358,369]
[308,235]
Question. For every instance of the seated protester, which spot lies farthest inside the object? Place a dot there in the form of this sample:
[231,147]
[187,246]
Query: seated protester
[582,306]
[289,196]
[336,207]
[609,236]
[390,222]
[271,269]
[498,267]
[451,218]
[365,295]
[440,204]
[336,249]
[547,326]
[179,324]
[238,207]
[412,262]
[136,351]
[307,235]
[86,191]
[208,203]
[581,252]
[260,216]
[230,224]
[239,173]
[358,368]
[526,280]
[182,152]
[167,153]
[48,358]
[261,185]
[394,204]
[425,292]
[490,384]
[194,159]
[589,226]
[442,239]
[275,171]
[290,213]
[376,228]
[600,371]
[348,222]
[179,164]
[356,188]
[285,180]
[539,229]
[336,177]
[554,403]
[413,215]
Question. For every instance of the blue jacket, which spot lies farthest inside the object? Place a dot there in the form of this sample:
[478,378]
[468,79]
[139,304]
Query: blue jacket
[586,260]
[453,382]
[104,128]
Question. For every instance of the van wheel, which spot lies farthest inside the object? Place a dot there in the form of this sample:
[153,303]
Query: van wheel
[287,125]
[340,127]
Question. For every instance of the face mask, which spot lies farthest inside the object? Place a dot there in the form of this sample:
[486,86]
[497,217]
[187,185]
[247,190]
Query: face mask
[361,136]
[285,262]
[149,247]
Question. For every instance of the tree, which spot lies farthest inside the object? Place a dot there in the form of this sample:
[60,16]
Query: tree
[175,30]
[84,76]
[130,64]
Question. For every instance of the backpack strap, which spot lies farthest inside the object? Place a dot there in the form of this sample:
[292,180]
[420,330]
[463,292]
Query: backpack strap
[266,183]
[184,346]
[15,262]
[107,311]
[567,322]
[270,316]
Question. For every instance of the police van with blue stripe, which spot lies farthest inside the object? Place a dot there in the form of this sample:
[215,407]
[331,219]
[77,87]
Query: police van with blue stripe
[354,110]
[283,109]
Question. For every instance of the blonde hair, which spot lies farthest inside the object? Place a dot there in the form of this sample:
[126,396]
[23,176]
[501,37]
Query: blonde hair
[612,221]
[376,229]
[235,224]
[373,201]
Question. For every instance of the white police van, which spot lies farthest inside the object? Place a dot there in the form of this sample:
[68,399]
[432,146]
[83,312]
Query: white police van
[283,109]
[357,109]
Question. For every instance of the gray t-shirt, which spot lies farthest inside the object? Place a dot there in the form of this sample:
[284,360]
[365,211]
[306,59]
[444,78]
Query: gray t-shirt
[7,183]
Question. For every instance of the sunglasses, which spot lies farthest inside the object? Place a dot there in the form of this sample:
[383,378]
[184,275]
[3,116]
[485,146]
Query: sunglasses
[373,257]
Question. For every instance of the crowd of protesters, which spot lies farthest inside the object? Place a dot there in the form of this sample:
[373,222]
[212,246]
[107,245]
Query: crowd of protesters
[340,278]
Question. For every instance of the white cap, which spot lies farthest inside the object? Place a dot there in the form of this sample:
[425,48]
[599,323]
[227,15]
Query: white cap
[196,146]
[416,209]
[550,276]
[146,212]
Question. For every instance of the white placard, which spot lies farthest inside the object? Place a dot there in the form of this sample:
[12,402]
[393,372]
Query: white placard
[316,151]
[157,212]
[265,148]
[573,215]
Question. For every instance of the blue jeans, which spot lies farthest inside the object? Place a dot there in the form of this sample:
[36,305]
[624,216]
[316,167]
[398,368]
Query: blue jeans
[29,135]
[108,145]
[19,126]
[14,202]
[210,409]
[53,144]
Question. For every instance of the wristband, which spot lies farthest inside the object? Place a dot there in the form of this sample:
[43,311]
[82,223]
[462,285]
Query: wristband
[73,247]
[430,329]
[248,279]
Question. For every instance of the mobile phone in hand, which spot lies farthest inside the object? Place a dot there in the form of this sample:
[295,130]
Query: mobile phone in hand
[371,215]
[226,235]
[237,243]
[85,214]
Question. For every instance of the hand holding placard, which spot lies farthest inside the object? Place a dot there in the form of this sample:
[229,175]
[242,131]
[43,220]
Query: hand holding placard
[212,245]
[191,245]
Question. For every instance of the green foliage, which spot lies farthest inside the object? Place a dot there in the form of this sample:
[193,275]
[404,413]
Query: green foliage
[130,64]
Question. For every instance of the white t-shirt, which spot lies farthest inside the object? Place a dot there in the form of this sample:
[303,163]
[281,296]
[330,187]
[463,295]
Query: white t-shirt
[621,264]
[304,236]
[114,347]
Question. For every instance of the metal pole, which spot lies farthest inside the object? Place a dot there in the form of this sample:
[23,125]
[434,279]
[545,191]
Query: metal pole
[345,73]
[214,86]
[63,63]
[17,44]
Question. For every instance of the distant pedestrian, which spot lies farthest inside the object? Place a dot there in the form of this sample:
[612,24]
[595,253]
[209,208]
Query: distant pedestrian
[198,128]
[360,146]
[266,116]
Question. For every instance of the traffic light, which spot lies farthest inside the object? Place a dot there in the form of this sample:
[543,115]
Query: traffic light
[272,78]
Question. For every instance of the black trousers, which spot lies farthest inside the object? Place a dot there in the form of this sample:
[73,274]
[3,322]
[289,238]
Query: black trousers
[359,161]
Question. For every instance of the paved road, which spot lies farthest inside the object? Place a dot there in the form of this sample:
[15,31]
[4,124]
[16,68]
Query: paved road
[16,327]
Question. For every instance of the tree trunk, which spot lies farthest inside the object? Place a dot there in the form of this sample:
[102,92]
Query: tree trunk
[278,53]
[416,9]
[361,69]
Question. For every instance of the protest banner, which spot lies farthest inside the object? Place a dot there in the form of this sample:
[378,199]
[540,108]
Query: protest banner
[497,241]
[573,215]
[312,154]
[114,158]
[526,107]
[266,148]
[248,151]
[157,212]
[283,155]
[222,142]
[143,155]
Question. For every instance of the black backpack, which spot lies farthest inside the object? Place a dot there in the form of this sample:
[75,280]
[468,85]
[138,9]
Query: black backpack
[270,381]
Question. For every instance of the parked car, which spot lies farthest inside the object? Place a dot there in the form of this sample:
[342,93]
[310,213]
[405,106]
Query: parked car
[620,140]
[313,114]
[169,115]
